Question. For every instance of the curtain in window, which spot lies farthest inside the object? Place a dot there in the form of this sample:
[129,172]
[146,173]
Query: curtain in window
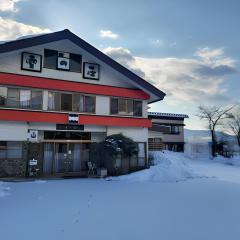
[51,101]
[130,106]
[76,157]
[48,158]
[141,154]
[25,97]
[78,101]
[122,106]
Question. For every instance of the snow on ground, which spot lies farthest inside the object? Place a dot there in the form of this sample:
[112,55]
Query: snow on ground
[168,167]
[199,208]
[225,169]
[4,190]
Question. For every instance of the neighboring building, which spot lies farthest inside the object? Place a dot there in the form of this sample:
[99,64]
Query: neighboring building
[58,95]
[167,131]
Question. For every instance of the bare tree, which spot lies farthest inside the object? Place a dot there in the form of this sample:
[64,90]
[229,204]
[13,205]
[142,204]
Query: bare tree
[214,116]
[234,124]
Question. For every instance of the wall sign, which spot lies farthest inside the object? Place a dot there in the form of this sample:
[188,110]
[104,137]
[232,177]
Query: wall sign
[70,127]
[33,162]
[73,118]
[63,61]
[91,70]
[33,135]
[31,62]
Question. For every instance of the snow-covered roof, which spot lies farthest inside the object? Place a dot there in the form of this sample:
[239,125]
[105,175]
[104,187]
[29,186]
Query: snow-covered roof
[174,115]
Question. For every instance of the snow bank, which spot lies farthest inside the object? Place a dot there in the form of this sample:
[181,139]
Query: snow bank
[235,161]
[4,190]
[168,167]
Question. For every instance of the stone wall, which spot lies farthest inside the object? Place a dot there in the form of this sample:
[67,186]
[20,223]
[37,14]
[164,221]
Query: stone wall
[13,168]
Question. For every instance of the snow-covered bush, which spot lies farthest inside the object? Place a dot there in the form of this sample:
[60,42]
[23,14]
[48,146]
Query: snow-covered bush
[116,143]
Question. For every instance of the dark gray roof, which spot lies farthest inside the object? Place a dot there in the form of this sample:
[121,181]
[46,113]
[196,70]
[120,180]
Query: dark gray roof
[167,115]
[66,34]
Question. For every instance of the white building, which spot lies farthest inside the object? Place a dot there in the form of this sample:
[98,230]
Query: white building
[58,95]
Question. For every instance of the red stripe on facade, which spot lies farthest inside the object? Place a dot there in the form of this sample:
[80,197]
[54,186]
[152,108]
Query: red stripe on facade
[49,117]
[63,85]
[115,121]
[28,116]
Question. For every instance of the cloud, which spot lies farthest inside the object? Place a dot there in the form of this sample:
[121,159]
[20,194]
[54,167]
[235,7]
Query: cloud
[156,42]
[8,5]
[214,57]
[124,57]
[108,34]
[10,29]
[187,80]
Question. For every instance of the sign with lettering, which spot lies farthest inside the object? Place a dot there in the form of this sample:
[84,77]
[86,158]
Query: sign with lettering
[91,71]
[73,127]
[31,62]
[33,162]
[33,135]
[63,61]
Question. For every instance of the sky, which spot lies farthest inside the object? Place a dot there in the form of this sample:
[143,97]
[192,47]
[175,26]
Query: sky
[189,49]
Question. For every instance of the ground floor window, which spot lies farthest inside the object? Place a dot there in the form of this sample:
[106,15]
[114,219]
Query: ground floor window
[10,150]
[175,147]
[12,163]
[155,144]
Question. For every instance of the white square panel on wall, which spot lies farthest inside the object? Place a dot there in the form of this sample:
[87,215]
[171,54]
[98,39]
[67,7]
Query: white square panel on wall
[91,71]
[63,63]
[31,62]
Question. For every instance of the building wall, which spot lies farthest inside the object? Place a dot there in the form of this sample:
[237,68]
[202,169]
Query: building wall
[11,63]
[13,131]
[137,134]
[174,137]
[169,137]
[18,130]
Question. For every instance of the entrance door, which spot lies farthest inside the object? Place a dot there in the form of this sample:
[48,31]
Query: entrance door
[63,158]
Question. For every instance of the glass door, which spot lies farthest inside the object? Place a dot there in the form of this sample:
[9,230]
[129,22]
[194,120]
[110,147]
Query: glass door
[63,158]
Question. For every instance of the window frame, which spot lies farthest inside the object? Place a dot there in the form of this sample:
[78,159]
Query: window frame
[72,57]
[18,97]
[73,93]
[8,148]
[126,107]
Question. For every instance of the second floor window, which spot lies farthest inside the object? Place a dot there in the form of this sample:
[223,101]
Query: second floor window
[175,130]
[71,102]
[124,106]
[20,98]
